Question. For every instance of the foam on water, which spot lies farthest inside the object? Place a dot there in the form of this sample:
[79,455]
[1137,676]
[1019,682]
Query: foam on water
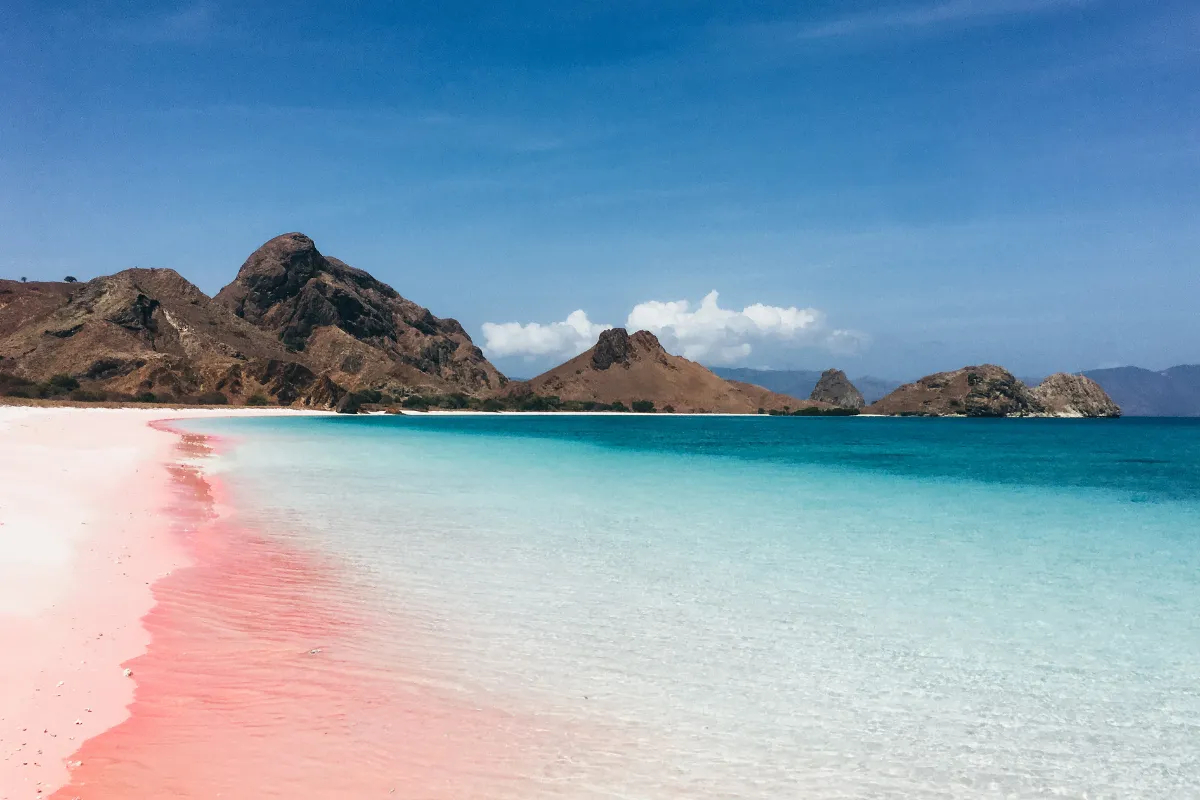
[771,608]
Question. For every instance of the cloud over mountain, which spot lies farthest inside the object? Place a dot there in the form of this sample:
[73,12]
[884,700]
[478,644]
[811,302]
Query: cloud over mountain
[567,338]
[704,332]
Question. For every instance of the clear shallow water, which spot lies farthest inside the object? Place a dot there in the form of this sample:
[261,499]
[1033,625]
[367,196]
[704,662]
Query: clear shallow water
[732,607]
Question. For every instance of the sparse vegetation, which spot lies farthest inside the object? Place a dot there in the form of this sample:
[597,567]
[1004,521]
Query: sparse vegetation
[537,402]
[212,399]
[71,279]
[416,402]
[257,399]
[643,407]
[14,386]
[813,411]
[61,384]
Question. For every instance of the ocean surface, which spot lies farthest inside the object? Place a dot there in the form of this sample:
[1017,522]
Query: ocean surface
[707,607]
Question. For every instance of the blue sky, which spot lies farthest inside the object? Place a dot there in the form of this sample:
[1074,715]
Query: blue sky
[933,182]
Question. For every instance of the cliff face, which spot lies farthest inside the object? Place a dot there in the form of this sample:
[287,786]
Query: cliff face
[837,390]
[349,325]
[1066,395]
[992,391]
[626,367]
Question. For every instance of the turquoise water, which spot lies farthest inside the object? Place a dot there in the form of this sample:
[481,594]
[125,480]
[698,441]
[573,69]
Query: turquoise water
[714,607]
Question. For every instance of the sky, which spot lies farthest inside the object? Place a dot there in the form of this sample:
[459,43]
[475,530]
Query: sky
[893,188]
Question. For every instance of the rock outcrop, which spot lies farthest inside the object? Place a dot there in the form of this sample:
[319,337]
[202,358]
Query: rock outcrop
[837,390]
[624,367]
[980,391]
[352,327]
[992,391]
[1067,395]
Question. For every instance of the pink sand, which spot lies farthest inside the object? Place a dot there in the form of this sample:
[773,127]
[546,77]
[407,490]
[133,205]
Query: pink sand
[81,542]
[255,670]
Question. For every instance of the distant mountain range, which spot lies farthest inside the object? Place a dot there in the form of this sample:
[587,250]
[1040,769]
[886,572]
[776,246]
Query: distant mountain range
[801,382]
[1174,392]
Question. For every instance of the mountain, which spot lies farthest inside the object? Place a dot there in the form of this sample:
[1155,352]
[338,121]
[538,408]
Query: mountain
[801,382]
[992,391]
[294,327]
[628,367]
[837,390]
[1174,392]
[352,327]
[145,330]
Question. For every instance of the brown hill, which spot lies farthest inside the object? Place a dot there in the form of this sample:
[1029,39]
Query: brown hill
[626,368]
[145,330]
[992,391]
[350,326]
[1066,395]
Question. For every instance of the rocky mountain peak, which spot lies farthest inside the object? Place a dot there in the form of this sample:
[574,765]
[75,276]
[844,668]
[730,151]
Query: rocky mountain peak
[612,348]
[351,324]
[836,389]
[618,346]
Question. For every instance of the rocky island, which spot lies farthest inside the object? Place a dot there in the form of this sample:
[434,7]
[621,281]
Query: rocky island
[991,391]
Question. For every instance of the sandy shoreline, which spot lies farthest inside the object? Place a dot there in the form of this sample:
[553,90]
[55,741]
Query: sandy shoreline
[83,539]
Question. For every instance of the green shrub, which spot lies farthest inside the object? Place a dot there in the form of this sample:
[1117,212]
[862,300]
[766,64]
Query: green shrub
[643,406]
[813,411]
[84,396]
[257,399]
[212,399]
[492,404]
[457,400]
[618,406]
[537,402]
[145,397]
[13,386]
[668,409]
[353,402]
[415,402]
[61,384]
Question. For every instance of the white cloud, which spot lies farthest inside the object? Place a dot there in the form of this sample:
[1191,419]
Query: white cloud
[707,332]
[722,335]
[567,338]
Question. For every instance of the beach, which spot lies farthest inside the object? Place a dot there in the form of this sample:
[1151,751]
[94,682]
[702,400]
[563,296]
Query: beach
[266,604]
[84,537]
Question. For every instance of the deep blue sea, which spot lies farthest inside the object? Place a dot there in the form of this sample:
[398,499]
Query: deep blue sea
[768,607]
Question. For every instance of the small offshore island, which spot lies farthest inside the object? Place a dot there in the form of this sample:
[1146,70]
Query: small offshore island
[299,329]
